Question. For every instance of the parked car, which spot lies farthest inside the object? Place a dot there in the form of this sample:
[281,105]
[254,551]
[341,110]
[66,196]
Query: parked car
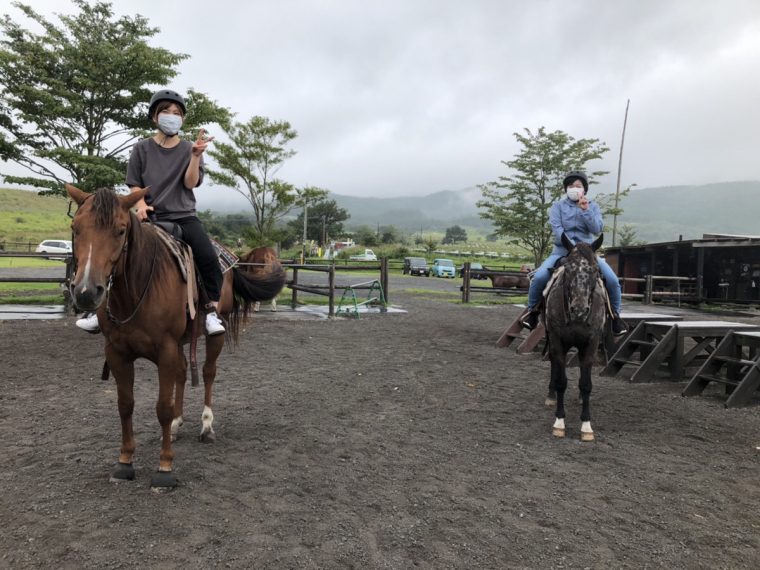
[474,266]
[443,268]
[368,255]
[415,266]
[60,246]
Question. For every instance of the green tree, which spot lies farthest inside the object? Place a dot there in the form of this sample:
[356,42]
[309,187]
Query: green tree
[610,206]
[365,235]
[518,204]
[74,97]
[389,234]
[430,245]
[628,236]
[249,164]
[322,215]
[455,234]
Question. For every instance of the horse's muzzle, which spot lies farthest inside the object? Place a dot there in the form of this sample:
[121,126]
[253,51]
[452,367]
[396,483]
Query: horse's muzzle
[87,297]
[579,313]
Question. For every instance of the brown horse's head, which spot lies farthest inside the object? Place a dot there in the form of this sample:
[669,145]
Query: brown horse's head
[581,275]
[100,227]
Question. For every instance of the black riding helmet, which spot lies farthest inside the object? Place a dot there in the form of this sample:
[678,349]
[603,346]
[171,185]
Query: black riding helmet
[166,95]
[574,175]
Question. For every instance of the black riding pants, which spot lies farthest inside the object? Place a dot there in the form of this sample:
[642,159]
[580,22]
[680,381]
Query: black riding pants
[205,255]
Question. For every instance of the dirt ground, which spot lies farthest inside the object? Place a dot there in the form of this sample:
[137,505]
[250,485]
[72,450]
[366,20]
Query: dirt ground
[395,441]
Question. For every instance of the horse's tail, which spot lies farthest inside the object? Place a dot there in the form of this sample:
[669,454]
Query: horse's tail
[249,288]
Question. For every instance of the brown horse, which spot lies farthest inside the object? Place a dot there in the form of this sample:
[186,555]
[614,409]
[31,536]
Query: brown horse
[509,281]
[263,260]
[125,270]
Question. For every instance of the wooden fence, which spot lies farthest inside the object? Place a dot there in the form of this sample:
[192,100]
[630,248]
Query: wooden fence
[467,288]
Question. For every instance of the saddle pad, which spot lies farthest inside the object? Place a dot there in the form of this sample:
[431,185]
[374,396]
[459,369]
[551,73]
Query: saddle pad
[227,259]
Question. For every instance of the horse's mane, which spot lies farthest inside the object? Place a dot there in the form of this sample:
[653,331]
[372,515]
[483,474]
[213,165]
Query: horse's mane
[104,205]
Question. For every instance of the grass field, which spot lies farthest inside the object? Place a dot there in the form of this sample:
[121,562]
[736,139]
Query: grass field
[28,218]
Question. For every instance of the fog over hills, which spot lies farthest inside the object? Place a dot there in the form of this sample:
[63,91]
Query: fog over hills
[657,214]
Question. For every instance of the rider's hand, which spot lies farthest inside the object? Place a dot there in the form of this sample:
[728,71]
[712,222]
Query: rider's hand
[142,211]
[583,203]
[201,143]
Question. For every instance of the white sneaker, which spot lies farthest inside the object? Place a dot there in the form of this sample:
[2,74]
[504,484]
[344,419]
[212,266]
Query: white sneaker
[89,323]
[214,324]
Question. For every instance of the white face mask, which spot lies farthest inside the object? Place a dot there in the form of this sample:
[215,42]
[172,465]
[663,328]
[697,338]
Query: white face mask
[169,124]
[573,193]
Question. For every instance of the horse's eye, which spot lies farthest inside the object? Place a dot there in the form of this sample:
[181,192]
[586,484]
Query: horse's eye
[122,231]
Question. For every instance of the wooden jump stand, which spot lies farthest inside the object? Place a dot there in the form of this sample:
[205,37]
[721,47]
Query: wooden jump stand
[663,344]
[735,362]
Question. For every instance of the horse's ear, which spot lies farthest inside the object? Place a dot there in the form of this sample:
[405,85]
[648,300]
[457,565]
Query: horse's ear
[567,243]
[598,242]
[79,196]
[128,201]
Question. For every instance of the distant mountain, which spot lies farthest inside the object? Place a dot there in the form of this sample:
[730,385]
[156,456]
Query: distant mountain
[657,214]
[432,212]
[665,213]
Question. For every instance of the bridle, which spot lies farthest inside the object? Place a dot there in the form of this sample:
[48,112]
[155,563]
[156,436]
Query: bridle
[123,258]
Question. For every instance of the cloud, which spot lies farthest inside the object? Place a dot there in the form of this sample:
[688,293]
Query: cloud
[400,98]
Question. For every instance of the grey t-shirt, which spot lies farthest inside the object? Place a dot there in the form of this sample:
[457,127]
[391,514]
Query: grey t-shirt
[163,169]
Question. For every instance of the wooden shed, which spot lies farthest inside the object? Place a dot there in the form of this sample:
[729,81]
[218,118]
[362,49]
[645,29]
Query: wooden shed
[722,267]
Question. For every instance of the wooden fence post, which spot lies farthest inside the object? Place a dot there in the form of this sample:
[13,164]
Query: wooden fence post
[466,282]
[384,277]
[331,295]
[294,298]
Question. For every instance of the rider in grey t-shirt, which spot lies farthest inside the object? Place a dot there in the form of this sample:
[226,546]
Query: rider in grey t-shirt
[163,169]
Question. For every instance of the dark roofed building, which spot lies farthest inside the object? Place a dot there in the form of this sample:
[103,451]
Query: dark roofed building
[724,267]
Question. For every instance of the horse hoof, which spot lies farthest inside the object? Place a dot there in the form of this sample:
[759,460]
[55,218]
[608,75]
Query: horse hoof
[587,436]
[123,472]
[550,403]
[558,432]
[163,481]
[208,437]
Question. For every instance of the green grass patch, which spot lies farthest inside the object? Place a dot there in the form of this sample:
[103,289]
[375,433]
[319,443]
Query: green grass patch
[27,288]
[33,300]
[29,262]
[26,218]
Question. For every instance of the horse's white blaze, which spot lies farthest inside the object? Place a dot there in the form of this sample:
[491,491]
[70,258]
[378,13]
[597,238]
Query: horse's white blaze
[87,267]
[208,419]
[559,423]
[586,427]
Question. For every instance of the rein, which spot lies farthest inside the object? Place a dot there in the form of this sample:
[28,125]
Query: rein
[109,313]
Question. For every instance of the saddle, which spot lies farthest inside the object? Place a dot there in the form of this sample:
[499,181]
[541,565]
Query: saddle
[171,235]
[557,272]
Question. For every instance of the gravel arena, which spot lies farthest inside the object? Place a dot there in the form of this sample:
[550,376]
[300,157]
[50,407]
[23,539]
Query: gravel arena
[404,440]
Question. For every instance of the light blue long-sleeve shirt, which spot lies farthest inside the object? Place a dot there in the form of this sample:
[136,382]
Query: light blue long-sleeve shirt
[579,225]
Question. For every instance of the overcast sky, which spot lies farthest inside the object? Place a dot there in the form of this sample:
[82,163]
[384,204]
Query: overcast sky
[406,97]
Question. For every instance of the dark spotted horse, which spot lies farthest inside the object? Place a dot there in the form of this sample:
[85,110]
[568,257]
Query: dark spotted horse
[125,270]
[574,312]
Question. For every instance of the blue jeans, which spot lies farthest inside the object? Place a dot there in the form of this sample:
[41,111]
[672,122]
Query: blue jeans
[542,274]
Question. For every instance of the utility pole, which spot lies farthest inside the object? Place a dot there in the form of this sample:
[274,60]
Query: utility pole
[620,168]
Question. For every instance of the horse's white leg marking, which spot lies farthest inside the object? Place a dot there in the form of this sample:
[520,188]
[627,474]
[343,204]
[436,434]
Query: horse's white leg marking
[176,424]
[208,419]
[274,305]
[558,429]
[587,434]
[87,266]
[256,307]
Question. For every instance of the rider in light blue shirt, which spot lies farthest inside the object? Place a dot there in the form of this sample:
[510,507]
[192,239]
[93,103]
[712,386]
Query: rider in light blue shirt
[580,220]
